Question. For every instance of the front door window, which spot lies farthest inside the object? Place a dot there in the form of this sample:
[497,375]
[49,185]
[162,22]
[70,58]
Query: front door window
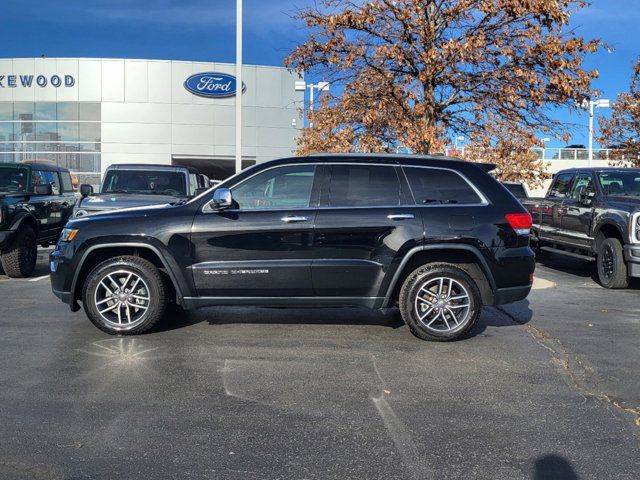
[277,188]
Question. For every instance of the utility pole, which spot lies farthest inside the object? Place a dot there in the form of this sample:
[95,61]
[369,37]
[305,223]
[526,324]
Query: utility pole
[238,86]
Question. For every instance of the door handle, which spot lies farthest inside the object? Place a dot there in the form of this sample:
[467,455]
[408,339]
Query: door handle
[293,219]
[401,216]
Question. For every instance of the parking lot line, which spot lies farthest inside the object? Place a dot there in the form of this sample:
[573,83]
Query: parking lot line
[37,279]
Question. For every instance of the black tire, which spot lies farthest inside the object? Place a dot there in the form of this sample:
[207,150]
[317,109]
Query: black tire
[429,273]
[19,260]
[151,280]
[612,270]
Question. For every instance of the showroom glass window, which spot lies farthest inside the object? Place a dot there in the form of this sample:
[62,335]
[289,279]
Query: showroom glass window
[280,187]
[64,133]
[364,186]
[431,186]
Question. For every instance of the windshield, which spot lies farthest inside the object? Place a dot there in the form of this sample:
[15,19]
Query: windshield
[620,183]
[13,179]
[140,181]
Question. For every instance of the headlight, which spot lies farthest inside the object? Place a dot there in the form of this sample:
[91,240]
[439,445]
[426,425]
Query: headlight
[68,234]
[634,228]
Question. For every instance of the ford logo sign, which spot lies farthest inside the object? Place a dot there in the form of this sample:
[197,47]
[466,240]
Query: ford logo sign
[212,85]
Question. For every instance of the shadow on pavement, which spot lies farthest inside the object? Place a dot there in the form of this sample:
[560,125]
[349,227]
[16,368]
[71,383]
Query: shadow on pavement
[553,467]
[576,267]
[177,318]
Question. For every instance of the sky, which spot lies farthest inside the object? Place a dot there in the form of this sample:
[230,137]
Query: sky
[204,30]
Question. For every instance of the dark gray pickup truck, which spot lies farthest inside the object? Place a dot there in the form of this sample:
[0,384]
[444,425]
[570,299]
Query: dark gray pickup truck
[593,214]
[133,185]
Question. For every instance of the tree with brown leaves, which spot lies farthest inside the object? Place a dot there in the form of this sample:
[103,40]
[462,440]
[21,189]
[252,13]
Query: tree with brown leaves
[417,72]
[622,130]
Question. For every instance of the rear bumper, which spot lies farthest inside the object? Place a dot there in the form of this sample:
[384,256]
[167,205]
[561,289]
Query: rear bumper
[5,239]
[632,257]
[511,294]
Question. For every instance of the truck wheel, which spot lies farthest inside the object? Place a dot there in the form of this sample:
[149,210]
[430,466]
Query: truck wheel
[124,295]
[612,271]
[440,302]
[19,260]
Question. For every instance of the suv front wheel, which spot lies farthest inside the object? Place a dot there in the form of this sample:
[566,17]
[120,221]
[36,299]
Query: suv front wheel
[440,302]
[124,295]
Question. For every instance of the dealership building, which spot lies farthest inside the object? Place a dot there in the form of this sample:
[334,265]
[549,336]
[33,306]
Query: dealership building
[86,114]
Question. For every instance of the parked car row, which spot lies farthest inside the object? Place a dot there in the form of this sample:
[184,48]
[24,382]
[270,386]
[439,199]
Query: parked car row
[38,198]
[437,237]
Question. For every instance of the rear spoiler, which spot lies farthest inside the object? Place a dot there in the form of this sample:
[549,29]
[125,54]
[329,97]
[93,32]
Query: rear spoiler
[487,167]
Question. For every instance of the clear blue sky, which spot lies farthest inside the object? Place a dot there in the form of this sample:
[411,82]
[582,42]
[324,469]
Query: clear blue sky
[204,30]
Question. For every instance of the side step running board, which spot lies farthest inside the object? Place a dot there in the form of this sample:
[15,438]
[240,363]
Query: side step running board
[568,254]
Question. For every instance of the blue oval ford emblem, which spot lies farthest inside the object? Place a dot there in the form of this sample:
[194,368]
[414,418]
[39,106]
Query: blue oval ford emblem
[212,85]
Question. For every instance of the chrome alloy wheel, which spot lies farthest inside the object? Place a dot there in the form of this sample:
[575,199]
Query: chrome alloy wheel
[122,298]
[442,304]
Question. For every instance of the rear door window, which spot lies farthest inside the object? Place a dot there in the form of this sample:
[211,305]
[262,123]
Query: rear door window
[432,186]
[364,186]
[67,184]
[561,185]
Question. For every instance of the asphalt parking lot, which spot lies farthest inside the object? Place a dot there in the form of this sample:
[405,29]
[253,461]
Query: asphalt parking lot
[547,388]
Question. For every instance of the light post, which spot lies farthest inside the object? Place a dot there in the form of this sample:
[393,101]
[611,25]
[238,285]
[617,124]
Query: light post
[544,141]
[238,86]
[591,105]
[301,86]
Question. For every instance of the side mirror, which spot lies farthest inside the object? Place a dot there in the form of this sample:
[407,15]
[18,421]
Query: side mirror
[85,190]
[43,190]
[221,199]
[587,198]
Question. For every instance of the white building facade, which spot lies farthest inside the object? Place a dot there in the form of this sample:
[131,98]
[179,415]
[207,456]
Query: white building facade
[87,114]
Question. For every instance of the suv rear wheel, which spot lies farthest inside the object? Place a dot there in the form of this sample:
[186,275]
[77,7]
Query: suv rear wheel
[124,295]
[440,302]
[19,260]
[612,271]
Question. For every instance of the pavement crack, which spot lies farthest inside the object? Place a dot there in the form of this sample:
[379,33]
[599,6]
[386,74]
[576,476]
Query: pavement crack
[582,377]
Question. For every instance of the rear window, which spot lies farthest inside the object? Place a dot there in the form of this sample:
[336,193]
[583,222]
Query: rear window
[364,186]
[431,186]
[146,182]
[517,189]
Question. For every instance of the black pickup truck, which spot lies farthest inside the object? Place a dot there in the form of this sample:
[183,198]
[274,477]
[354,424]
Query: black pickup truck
[593,214]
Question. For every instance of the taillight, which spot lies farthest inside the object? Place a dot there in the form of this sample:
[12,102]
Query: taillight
[520,222]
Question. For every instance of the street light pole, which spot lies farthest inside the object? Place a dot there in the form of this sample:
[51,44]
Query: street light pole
[602,103]
[301,86]
[238,86]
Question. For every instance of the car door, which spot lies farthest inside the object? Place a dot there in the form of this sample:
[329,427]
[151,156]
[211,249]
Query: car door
[365,224]
[552,207]
[263,245]
[41,205]
[67,197]
[576,216]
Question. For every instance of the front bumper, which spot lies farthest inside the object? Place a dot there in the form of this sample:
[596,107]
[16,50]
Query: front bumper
[632,258]
[60,268]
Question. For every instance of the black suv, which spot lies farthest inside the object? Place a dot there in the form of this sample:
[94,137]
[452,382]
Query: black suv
[36,200]
[436,236]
